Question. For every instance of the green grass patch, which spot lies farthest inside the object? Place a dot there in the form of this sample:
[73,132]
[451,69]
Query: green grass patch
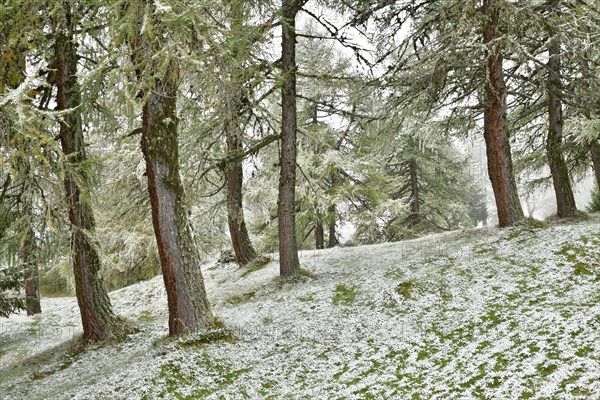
[218,332]
[581,258]
[180,383]
[344,295]
[241,298]
[406,289]
[306,299]
[257,264]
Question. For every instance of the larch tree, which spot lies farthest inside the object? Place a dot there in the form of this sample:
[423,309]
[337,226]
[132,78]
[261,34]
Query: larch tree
[326,118]
[500,168]
[548,85]
[439,68]
[234,97]
[99,321]
[189,308]
[16,196]
[415,181]
[543,71]
[289,264]
[565,200]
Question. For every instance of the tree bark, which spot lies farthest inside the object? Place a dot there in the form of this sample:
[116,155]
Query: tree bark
[289,263]
[593,144]
[189,309]
[32,291]
[565,200]
[99,322]
[500,168]
[319,235]
[332,239]
[233,100]
[595,153]
[240,239]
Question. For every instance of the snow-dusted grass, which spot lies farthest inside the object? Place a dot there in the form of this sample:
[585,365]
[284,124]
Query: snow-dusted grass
[483,314]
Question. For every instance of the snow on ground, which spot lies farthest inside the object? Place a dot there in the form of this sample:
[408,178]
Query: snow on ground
[477,314]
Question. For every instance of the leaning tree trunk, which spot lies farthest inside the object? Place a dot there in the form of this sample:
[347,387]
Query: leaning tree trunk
[496,135]
[565,200]
[289,263]
[189,309]
[240,239]
[99,322]
[32,290]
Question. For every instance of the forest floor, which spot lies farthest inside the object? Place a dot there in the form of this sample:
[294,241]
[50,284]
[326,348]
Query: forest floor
[475,314]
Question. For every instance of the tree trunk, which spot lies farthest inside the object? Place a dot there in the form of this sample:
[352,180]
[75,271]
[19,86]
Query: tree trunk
[99,322]
[593,144]
[319,235]
[565,200]
[189,309]
[242,246]
[32,291]
[233,105]
[415,200]
[496,134]
[332,240]
[289,263]
[595,153]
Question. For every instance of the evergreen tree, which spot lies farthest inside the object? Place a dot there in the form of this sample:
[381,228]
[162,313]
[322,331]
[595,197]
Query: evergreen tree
[189,309]
[288,250]
[440,67]
[419,185]
[99,321]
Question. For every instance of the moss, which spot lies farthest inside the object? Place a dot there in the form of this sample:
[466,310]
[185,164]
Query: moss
[38,375]
[306,273]
[577,217]
[68,354]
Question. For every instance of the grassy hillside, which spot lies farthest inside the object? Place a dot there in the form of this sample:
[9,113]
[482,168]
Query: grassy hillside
[482,314]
